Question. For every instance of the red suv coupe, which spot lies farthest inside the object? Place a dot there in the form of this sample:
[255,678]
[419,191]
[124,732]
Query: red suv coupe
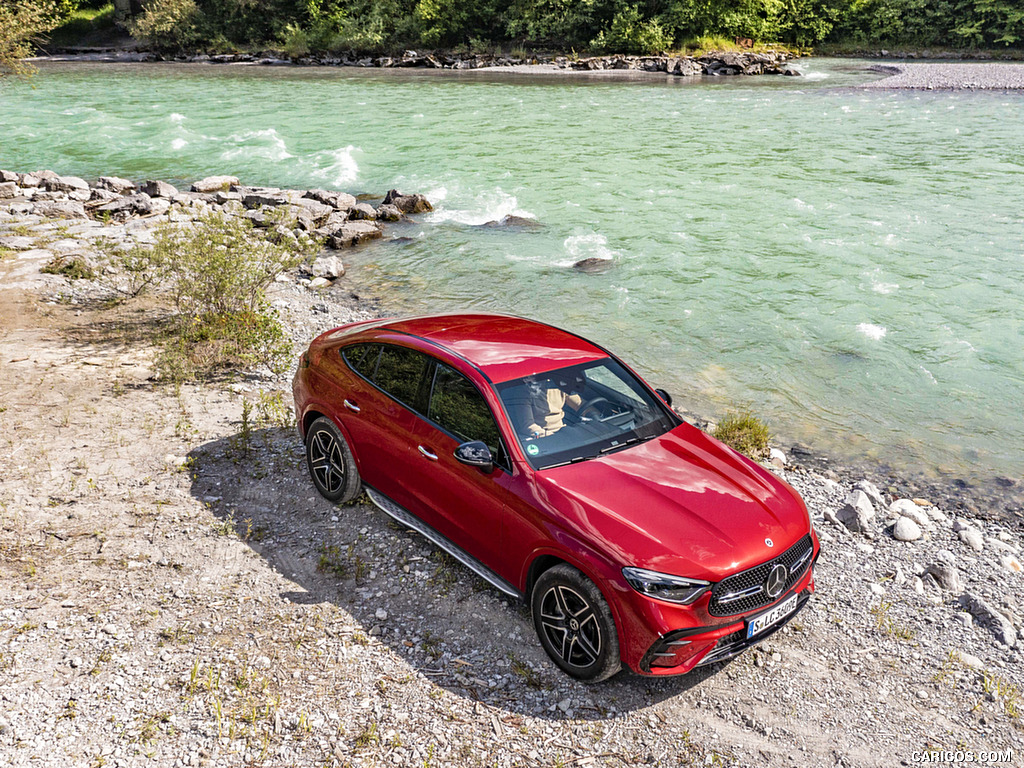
[547,467]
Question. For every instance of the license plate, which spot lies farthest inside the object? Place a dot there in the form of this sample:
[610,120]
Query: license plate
[758,624]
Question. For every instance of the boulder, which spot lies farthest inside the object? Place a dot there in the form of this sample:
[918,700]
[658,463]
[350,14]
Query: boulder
[60,209]
[1001,626]
[114,184]
[946,576]
[160,189]
[330,267]
[857,514]
[873,493]
[342,201]
[318,212]
[906,530]
[6,176]
[260,196]
[513,222]
[41,176]
[214,184]
[388,213]
[407,203]
[133,205]
[103,195]
[28,181]
[362,211]
[9,189]
[67,184]
[353,233]
[593,265]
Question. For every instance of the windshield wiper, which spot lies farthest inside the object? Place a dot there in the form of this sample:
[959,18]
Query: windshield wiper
[630,441]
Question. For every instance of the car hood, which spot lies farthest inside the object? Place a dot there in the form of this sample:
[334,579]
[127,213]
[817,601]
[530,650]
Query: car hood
[682,503]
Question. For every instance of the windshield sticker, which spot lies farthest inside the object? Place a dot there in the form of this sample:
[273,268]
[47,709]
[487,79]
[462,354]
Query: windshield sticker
[533,449]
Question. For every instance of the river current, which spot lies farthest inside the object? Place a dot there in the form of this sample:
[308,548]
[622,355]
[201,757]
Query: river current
[846,263]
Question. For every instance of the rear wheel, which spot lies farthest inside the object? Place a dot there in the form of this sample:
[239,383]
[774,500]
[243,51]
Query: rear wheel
[575,625]
[330,462]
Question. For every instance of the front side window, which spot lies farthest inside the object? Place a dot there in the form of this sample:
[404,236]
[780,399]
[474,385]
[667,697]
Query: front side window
[459,408]
[581,411]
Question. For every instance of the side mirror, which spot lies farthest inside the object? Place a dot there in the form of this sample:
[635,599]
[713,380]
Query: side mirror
[664,396]
[475,454]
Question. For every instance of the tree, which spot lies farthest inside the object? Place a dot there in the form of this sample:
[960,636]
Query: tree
[23,22]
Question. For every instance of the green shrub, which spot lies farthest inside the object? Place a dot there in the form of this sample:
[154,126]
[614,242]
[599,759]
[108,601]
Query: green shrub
[629,32]
[71,267]
[23,23]
[745,433]
[168,24]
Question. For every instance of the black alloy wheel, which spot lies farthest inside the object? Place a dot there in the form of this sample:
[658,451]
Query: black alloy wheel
[330,461]
[575,625]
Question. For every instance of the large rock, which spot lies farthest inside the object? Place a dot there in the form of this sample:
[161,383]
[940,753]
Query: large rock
[342,201]
[9,176]
[214,183]
[160,189]
[60,209]
[857,514]
[317,211]
[407,203]
[906,530]
[513,222]
[1001,626]
[66,184]
[593,265]
[133,205]
[873,493]
[388,213]
[9,189]
[28,180]
[362,212]
[946,576]
[355,232]
[115,184]
[257,197]
[330,267]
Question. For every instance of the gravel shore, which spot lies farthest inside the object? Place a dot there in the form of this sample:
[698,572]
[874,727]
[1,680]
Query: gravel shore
[177,594]
[951,76]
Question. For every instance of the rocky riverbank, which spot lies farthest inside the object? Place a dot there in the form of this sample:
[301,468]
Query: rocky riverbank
[950,76]
[713,63]
[177,592]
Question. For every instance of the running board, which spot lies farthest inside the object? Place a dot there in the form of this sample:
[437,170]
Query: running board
[405,517]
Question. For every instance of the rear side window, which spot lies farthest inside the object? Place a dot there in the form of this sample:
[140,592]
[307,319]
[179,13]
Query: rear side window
[459,408]
[362,358]
[402,373]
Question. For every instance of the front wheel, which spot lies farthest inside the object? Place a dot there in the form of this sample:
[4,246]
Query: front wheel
[330,462]
[575,625]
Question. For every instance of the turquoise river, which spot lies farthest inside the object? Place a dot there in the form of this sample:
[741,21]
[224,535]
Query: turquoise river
[846,263]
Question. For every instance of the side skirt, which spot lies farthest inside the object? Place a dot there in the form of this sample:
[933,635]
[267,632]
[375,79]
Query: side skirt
[406,518]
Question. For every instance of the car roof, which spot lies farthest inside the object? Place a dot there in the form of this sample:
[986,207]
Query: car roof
[503,347]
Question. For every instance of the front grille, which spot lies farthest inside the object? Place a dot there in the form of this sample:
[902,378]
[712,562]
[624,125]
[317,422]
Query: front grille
[744,591]
[737,642]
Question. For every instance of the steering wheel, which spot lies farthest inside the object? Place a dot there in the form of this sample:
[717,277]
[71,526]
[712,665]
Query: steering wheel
[593,404]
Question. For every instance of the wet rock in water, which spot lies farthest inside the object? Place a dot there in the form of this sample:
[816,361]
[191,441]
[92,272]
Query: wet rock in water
[388,213]
[513,222]
[407,203]
[1001,626]
[906,530]
[362,212]
[214,183]
[159,189]
[593,265]
[353,233]
[115,184]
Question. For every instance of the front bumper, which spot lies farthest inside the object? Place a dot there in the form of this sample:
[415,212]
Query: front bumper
[672,640]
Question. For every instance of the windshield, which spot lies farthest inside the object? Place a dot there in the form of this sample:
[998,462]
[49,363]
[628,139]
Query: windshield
[581,411]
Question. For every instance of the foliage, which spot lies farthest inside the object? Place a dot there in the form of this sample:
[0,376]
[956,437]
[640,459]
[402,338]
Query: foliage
[23,23]
[216,272]
[71,267]
[86,20]
[167,24]
[629,32]
[745,433]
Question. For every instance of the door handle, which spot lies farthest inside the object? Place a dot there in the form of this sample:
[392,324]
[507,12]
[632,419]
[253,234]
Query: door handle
[428,453]
[352,406]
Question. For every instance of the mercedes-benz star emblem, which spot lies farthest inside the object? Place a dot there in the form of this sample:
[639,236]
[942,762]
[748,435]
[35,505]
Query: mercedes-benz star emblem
[769,543]
[776,581]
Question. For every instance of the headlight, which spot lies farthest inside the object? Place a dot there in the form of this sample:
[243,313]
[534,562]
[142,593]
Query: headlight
[662,586]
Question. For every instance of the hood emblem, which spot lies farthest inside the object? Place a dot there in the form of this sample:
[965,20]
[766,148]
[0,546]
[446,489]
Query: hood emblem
[776,581]
[769,543]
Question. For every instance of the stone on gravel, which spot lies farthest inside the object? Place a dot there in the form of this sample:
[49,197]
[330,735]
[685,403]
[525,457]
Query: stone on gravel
[972,538]
[857,514]
[907,508]
[906,530]
[872,491]
[327,266]
[1001,626]
[946,576]
[214,183]
[970,660]
[1010,563]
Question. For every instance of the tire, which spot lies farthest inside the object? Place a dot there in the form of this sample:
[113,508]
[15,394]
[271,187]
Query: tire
[330,462]
[575,624]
